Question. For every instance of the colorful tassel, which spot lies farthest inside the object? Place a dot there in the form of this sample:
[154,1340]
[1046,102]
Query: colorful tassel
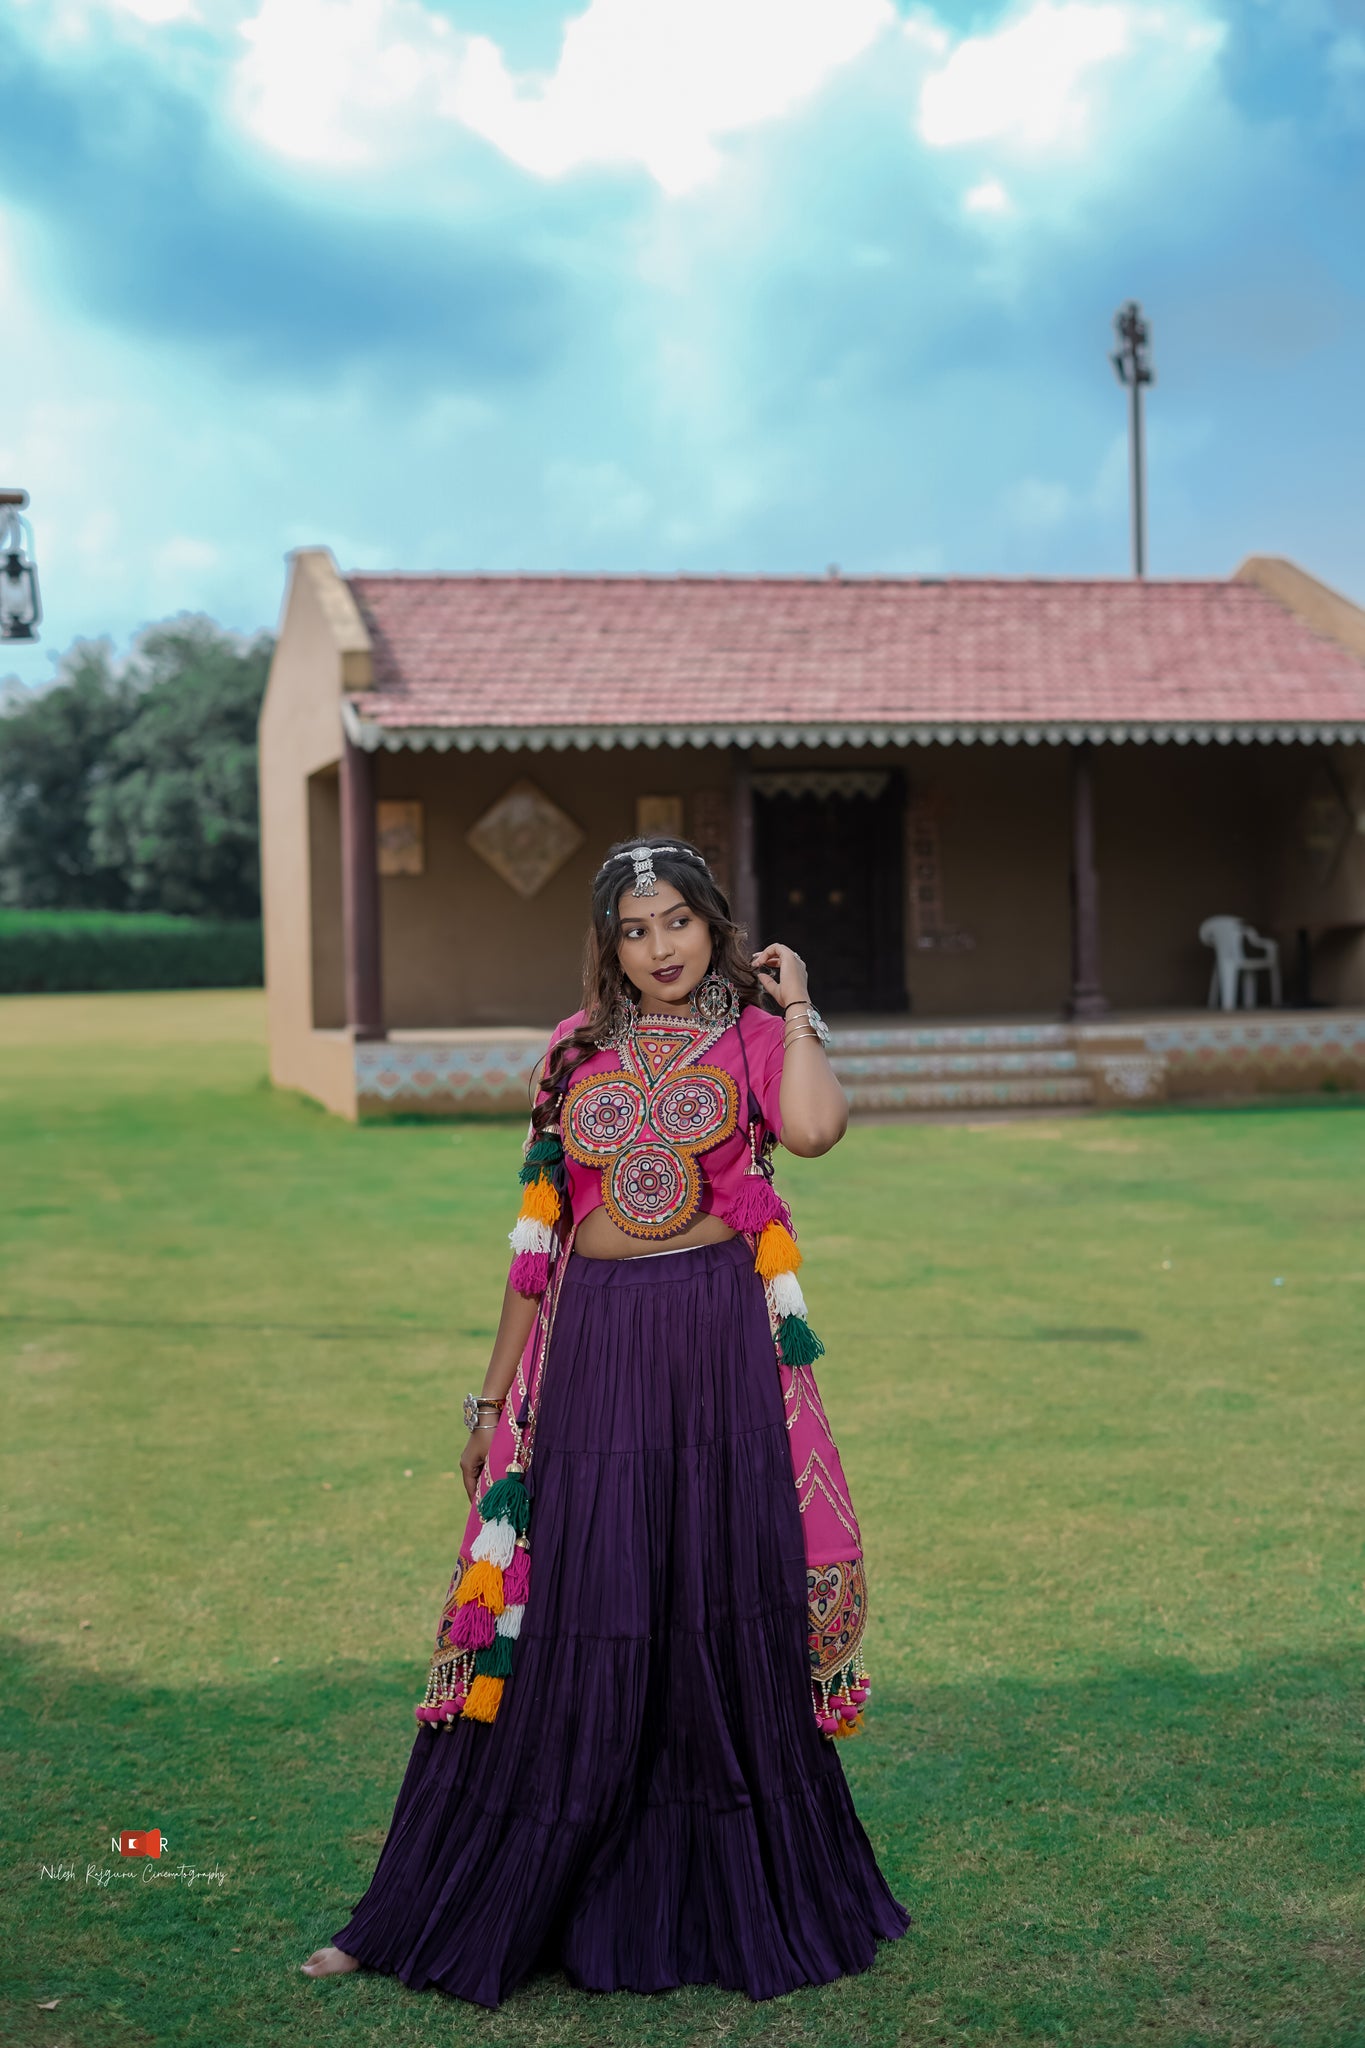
[508,1622]
[507,1501]
[756,1203]
[787,1298]
[481,1701]
[482,1581]
[544,1152]
[540,1201]
[777,1252]
[529,1235]
[530,1273]
[495,1542]
[800,1345]
[494,1661]
[516,1580]
[474,1625]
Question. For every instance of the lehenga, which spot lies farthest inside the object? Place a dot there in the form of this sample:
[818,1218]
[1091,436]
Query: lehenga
[654,1803]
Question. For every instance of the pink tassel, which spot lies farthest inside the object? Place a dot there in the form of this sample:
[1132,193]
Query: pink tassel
[530,1272]
[474,1626]
[516,1579]
[756,1203]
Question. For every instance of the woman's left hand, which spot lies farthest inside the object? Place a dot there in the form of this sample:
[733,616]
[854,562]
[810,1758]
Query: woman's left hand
[791,974]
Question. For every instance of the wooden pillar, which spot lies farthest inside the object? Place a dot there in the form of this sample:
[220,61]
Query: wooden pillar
[1087,998]
[743,873]
[360,893]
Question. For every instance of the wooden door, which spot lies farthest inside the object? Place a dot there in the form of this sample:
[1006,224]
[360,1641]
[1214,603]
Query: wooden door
[830,867]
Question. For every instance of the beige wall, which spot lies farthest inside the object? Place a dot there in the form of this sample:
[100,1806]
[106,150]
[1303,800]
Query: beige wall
[460,945]
[300,734]
[1182,832]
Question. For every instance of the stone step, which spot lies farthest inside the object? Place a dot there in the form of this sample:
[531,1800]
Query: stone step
[984,1090]
[950,1038]
[915,1064]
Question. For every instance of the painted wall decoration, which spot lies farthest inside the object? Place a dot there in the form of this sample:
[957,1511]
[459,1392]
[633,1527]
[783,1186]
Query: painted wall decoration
[930,931]
[400,834]
[659,814]
[525,837]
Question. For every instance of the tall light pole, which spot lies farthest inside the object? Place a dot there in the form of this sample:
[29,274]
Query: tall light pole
[1133,366]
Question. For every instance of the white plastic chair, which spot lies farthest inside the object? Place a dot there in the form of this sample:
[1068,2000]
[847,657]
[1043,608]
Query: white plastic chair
[1239,954]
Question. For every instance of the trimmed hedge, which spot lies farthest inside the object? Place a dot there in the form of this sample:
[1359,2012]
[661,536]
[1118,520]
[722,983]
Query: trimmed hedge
[44,951]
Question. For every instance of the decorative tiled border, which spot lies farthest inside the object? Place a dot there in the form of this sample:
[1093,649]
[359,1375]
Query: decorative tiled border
[910,1066]
[488,1075]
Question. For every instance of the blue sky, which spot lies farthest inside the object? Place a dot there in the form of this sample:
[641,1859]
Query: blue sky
[745,285]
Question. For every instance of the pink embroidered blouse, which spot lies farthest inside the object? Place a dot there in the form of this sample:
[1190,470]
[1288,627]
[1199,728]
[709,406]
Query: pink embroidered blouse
[659,1138]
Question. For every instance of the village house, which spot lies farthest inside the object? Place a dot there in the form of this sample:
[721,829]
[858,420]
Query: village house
[992,815]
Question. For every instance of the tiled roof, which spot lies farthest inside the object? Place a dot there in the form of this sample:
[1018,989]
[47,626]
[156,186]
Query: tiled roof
[540,660]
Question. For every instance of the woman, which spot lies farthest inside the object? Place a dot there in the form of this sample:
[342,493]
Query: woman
[624,1767]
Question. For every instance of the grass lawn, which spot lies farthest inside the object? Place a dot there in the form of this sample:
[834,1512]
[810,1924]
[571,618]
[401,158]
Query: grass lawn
[1097,1384]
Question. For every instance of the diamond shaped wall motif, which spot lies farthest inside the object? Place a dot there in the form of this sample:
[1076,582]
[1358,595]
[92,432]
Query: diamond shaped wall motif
[525,837]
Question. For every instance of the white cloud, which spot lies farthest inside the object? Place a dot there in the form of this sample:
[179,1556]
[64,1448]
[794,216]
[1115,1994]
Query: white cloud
[1024,80]
[989,196]
[655,83]
[1040,81]
[1036,504]
[336,81]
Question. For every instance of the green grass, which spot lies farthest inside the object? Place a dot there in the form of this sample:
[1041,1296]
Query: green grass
[1097,1383]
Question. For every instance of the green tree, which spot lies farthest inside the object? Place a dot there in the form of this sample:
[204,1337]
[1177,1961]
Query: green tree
[54,751]
[176,811]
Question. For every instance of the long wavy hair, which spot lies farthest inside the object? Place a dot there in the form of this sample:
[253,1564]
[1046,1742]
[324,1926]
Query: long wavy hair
[604,982]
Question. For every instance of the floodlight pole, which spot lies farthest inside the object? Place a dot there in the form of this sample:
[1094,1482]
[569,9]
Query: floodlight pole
[1133,368]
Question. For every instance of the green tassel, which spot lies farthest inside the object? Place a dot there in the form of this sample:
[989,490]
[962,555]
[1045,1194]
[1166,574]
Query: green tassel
[544,1148]
[553,1170]
[507,1501]
[496,1660]
[800,1345]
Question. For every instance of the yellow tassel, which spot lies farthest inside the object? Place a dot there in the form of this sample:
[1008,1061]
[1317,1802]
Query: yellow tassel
[483,1581]
[541,1201]
[481,1701]
[777,1251]
[844,1727]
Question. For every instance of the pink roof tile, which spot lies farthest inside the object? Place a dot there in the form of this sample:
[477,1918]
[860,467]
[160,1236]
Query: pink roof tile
[507,652]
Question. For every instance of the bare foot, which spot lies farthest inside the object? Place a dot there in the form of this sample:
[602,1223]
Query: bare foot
[329,1962]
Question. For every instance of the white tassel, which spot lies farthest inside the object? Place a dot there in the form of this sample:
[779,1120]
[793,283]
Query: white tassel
[788,1299]
[496,1541]
[530,1236]
[508,1622]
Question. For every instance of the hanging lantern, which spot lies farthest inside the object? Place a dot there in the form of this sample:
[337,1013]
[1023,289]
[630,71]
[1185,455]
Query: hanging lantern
[20,606]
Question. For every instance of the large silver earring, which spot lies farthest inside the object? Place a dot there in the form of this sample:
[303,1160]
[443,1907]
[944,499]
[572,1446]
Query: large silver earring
[715,999]
[625,1011]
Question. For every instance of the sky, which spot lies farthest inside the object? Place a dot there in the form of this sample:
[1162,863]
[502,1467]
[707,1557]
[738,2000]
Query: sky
[670,285]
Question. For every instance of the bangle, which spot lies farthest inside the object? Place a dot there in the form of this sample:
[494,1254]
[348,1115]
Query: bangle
[797,1036]
[793,1003]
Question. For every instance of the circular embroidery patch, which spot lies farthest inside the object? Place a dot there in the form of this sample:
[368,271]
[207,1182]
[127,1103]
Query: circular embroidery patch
[601,1116]
[694,1107]
[837,1599]
[652,1189]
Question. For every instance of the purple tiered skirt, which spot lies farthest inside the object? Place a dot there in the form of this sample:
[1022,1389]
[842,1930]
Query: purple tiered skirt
[673,1815]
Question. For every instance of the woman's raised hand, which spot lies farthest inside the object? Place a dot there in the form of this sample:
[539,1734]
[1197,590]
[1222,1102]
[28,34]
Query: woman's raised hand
[791,973]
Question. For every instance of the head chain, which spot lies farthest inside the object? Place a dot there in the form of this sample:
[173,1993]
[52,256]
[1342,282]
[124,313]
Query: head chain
[646,882]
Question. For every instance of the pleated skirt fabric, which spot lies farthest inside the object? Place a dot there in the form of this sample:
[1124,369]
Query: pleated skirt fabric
[654,1804]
